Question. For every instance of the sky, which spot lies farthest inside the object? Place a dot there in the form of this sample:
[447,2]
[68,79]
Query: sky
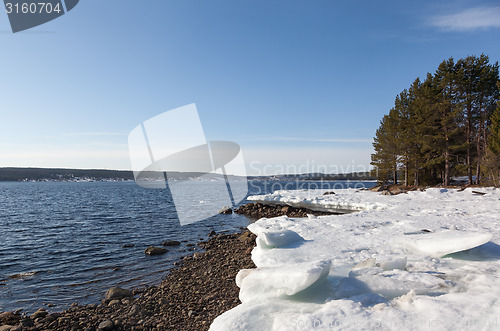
[301,86]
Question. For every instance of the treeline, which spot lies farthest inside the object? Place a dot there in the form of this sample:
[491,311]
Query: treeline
[447,125]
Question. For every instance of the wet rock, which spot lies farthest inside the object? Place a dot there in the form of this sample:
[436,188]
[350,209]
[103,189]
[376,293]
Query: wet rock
[114,302]
[63,319]
[225,211]
[171,243]
[135,310]
[212,233]
[128,245]
[54,315]
[117,293]
[380,188]
[244,236]
[39,313]
[9,318]
[27,323]
[106,325]
[49,319]
[152,250]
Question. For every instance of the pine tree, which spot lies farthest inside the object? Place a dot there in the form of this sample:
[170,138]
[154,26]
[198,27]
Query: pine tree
[385,157]
[447,132]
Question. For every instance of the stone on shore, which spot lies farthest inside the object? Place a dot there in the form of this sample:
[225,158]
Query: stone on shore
[225,211]
[39,313]
[117,293]
[105,325]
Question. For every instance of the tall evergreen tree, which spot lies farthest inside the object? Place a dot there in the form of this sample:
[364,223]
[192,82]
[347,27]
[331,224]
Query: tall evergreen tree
[402,117]
[385,157]
[446,135]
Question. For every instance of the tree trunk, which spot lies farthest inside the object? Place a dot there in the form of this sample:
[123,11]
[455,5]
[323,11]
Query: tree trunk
[478,172]
[446,179]
[469,141]
[406,173]
[395,174]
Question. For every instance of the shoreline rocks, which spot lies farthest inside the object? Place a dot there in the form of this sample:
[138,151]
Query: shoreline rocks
[260,210]
[191,296]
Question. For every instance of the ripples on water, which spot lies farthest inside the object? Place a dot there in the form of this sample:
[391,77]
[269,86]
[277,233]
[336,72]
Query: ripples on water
[61,242]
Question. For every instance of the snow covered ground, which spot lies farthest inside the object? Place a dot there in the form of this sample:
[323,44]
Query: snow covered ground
[376,268]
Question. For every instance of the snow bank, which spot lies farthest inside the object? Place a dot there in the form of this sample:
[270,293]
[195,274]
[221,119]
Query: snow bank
[343,201]
[385,272]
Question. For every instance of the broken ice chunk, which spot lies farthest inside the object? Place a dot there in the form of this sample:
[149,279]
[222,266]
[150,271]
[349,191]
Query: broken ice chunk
[275,239]
[261,283]
[398,263]
[368,263]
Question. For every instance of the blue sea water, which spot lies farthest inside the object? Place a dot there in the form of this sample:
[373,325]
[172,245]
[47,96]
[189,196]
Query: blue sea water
[62,242]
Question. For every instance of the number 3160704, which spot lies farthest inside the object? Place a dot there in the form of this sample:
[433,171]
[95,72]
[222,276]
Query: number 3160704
[32,8]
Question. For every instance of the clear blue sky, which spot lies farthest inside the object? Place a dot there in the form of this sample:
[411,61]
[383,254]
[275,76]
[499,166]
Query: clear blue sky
[298,84]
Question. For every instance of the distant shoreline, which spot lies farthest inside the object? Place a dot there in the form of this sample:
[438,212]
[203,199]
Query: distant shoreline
[13,174]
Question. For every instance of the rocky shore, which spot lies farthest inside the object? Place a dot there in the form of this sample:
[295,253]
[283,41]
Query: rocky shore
[200,288]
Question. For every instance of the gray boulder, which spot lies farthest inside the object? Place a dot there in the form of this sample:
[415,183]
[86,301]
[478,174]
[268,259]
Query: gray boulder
[117,293]
[152,250]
